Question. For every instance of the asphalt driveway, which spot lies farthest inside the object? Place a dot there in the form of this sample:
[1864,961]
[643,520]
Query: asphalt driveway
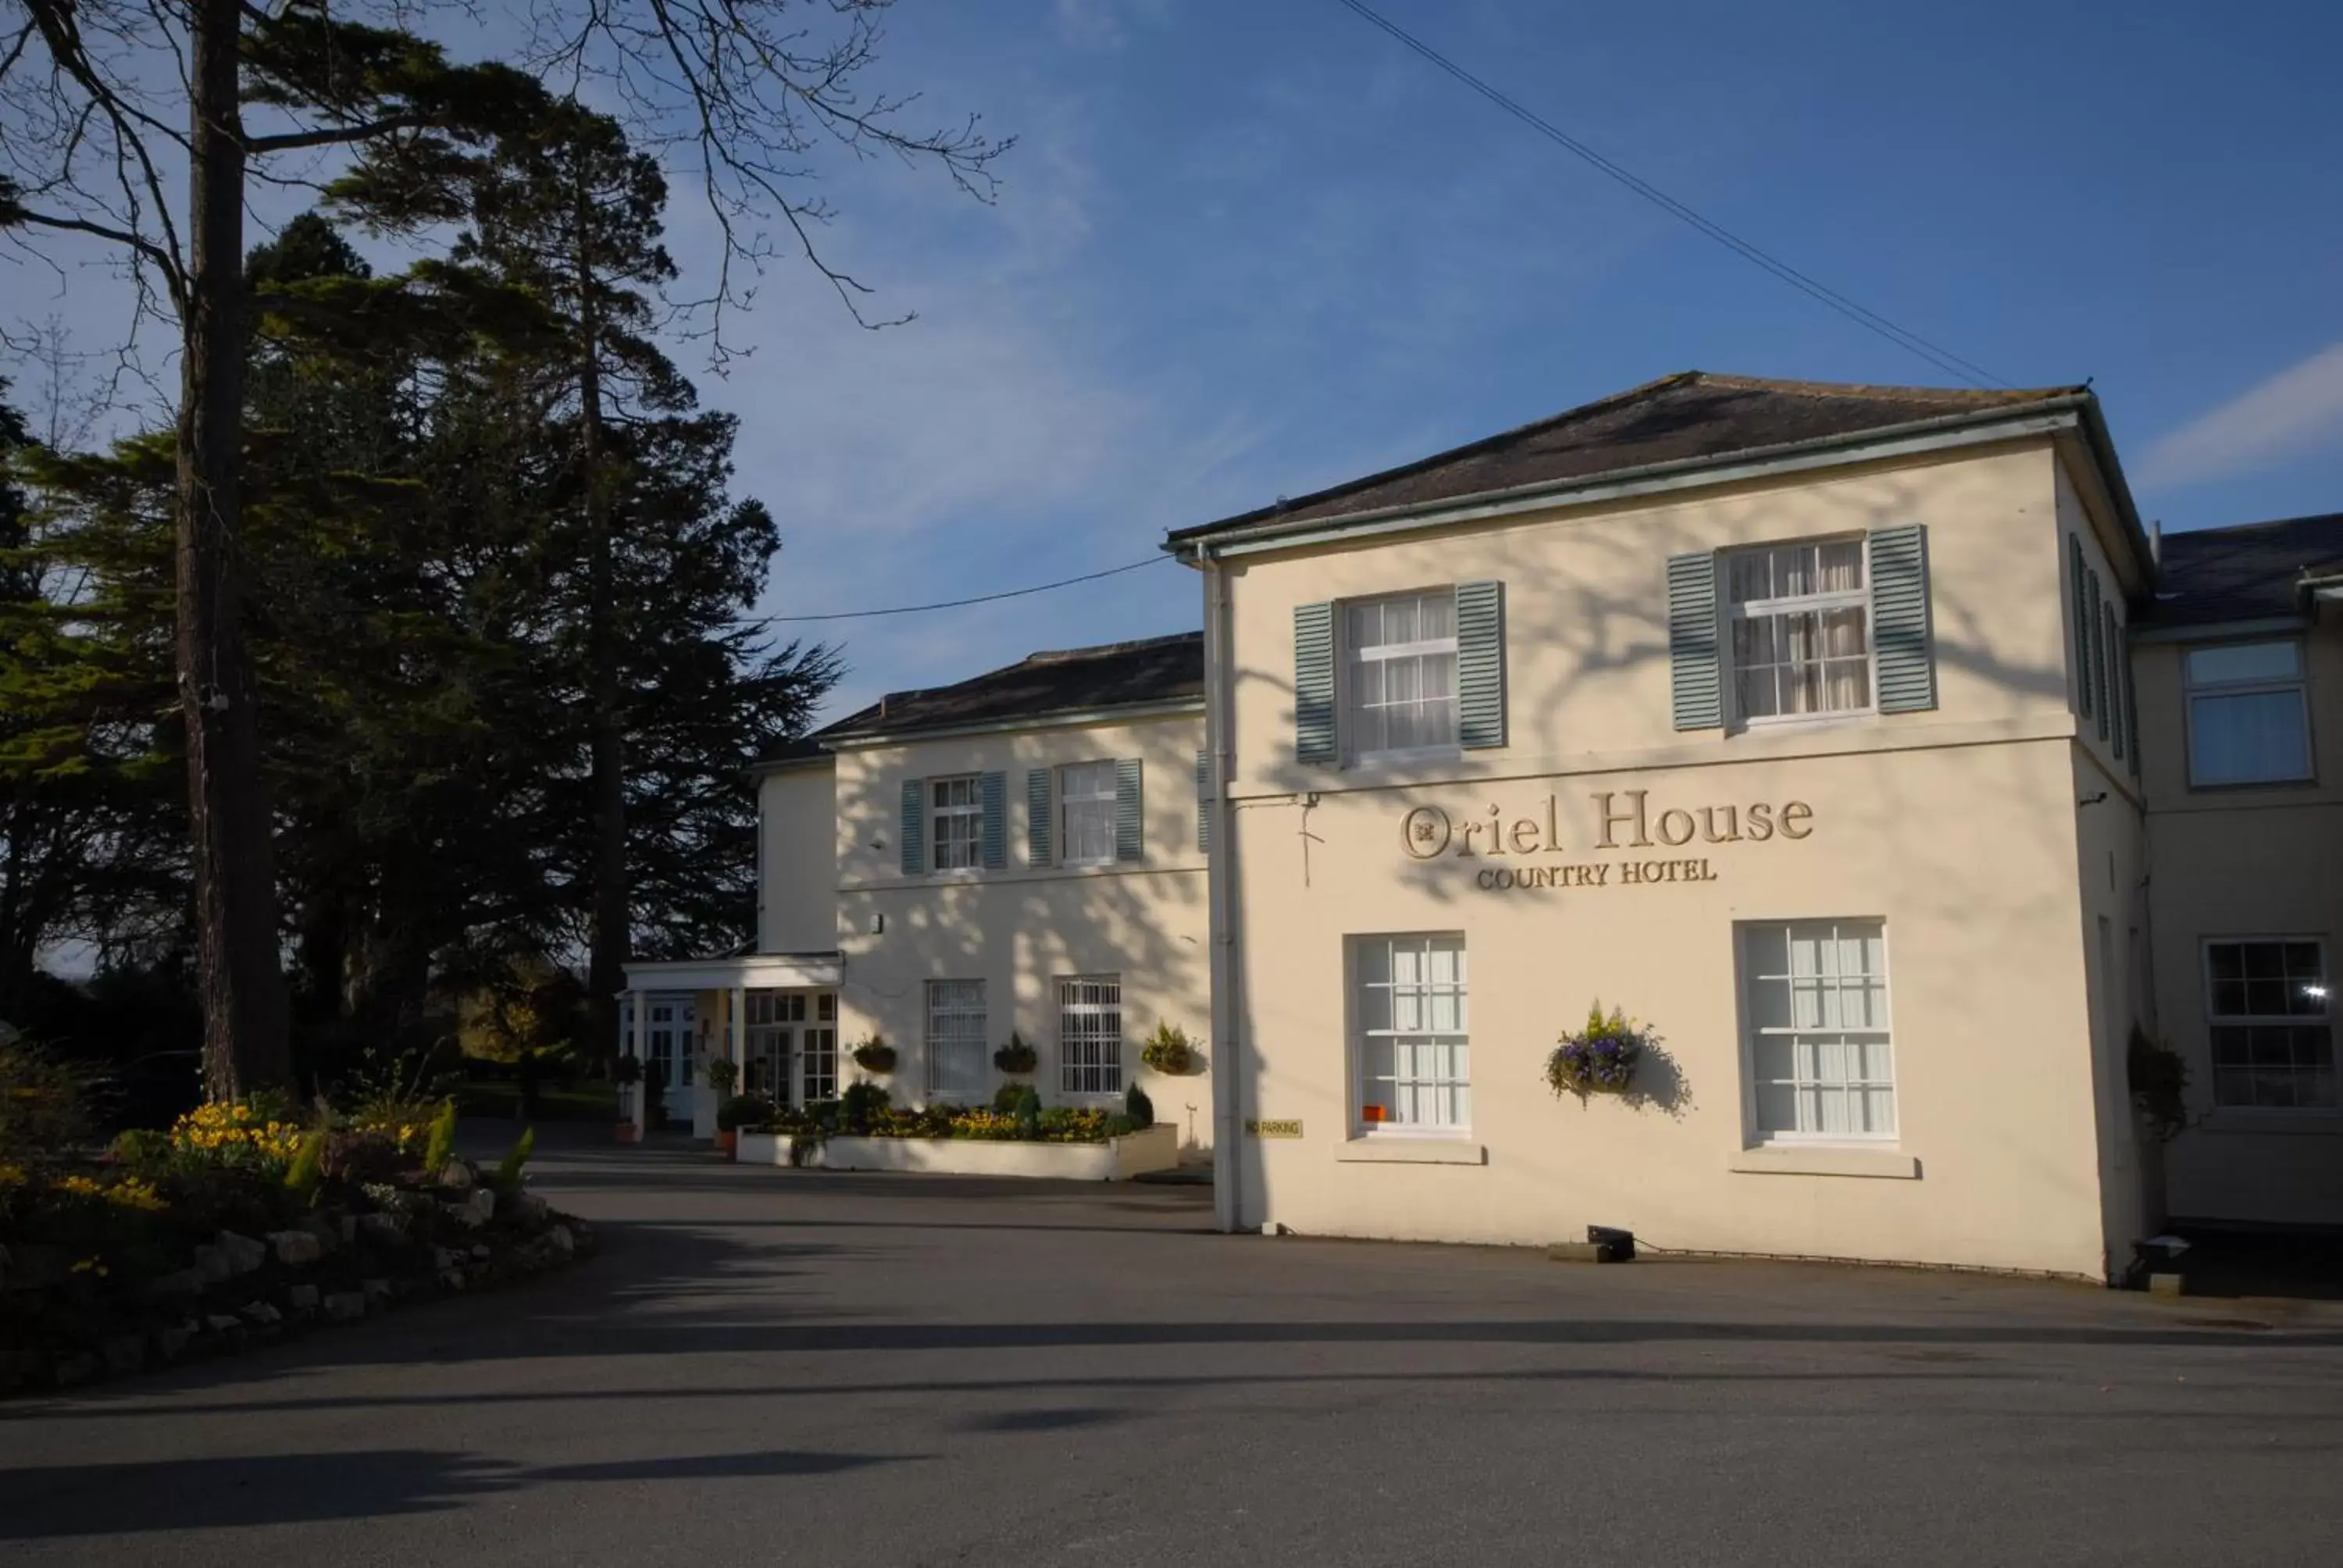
[809,1368]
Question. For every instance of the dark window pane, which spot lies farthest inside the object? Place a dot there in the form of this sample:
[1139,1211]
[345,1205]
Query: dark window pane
[2230,1047]
[2314,1047]
[2273,1047]
[2263,960]
[2224,960]
[2233,1086]
[2228,998]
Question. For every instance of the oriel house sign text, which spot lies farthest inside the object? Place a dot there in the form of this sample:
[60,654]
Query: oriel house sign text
[1521,851]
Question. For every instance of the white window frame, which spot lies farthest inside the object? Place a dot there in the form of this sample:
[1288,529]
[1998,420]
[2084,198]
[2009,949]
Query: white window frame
[1352,655]
[2213,1020]
[2298,683]
[1756,1135]
[1105,769]
[1799,604]
[1361,1037]
[972,812]
[1089,1061]
[940,1006]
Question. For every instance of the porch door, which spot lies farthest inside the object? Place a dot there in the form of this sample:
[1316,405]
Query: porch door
[766,1040]
[667,1042]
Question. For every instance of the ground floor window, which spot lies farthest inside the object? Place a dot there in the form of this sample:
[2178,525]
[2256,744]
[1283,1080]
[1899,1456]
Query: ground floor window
[1820,1060]
[1412,1022]
[765,1037]
[2272,1024]
[819,1064]
[1090,1035]
[955,1039]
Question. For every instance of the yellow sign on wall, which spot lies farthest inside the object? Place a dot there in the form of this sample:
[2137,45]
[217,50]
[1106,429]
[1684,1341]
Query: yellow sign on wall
[1273,1129]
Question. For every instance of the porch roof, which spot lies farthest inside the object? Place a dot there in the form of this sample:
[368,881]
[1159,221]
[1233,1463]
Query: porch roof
[751,971]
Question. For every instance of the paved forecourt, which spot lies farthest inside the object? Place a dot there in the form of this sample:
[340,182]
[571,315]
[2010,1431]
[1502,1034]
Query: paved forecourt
[802,1367]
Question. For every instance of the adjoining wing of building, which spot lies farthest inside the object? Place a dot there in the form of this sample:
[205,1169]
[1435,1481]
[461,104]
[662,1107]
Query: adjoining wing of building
[1019,852]
[1854,741]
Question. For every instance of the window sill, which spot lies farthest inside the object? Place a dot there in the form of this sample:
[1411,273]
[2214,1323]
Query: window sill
[1412,1151]
[2315,1122]
[1822,1160]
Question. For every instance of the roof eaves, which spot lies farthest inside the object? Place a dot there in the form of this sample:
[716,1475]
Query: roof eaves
[1211,537]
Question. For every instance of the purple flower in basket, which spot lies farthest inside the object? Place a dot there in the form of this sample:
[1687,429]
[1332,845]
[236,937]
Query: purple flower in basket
[1599,1058]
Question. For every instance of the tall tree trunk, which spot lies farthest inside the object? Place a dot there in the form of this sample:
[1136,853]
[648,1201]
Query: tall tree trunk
[613,907]
[238,981]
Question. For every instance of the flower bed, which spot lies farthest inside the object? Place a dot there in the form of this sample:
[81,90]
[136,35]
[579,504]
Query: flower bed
[240,1225]
[861,1132]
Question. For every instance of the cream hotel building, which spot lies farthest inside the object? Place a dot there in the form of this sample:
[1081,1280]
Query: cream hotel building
[1859,742]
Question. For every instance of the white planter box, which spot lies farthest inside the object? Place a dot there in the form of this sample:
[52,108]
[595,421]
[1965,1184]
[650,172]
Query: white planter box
[1117,1160]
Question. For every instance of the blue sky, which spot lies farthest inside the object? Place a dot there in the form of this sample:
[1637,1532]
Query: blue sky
[1248,247]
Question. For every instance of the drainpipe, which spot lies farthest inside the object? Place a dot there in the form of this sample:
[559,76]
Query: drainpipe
[1228,1163]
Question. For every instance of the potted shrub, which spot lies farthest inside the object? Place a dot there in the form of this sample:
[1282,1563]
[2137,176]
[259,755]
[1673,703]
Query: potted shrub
[737,1112]
[723,1075]
[1168,1050]
[1016,1058]
[1598,1059]
[628,1071]
[874,1055]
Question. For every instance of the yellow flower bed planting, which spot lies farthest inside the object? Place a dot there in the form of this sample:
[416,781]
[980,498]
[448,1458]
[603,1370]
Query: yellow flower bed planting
[230,1129]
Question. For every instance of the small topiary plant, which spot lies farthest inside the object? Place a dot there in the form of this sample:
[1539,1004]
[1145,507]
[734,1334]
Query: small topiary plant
[859,1105]
[723,1074]
[743,1110]
[507,1176]
[1029,1113]
[1138,1107]
[441,1147]
[1005,1098]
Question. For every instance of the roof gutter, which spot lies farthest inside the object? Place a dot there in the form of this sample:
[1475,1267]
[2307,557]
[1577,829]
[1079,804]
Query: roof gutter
[2052,416]
[1059,721]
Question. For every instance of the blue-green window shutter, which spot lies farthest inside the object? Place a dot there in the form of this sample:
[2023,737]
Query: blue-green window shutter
[1038,817]
[1127,844]
[2097,654]
[1203,800]
[2131,708]
[2112,635]
[1479,665]
[910,839]
[2079,591]
[1314,682]
[992,794]
[1904,658]
[1697,683]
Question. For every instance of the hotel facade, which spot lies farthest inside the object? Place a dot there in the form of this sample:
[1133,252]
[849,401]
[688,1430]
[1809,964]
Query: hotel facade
[1797,722]
[1854,741]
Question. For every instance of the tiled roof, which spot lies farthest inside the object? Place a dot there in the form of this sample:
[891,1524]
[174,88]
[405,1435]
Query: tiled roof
[2242,573]
[1158,669]
[1689,417]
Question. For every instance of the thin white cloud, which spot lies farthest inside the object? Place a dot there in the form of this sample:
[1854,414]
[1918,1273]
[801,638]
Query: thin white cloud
[2293,412]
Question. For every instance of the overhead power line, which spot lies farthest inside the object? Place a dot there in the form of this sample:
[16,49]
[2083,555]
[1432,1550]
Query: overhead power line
[949,603]
[1944,359]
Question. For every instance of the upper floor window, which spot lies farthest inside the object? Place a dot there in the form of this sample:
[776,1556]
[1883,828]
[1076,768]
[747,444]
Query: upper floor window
[1801,623]
[2271,1021]
[2249,721]
[1086,807]
[955,823]
[1401,658]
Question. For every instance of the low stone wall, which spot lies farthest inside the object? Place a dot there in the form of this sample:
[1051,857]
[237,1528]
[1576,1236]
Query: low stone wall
[1155,1147]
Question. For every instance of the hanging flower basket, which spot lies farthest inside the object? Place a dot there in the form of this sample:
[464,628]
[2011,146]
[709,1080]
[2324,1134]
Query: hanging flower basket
[874,1055]
[1600,1058]
[1016,1058]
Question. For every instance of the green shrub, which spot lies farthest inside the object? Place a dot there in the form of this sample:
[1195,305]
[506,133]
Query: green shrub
[1029,1113]
[743,1110]
[44,1111]
[507,1176]
[723,1074]
[1138,1107]
[1005,1098]
[441,1147]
